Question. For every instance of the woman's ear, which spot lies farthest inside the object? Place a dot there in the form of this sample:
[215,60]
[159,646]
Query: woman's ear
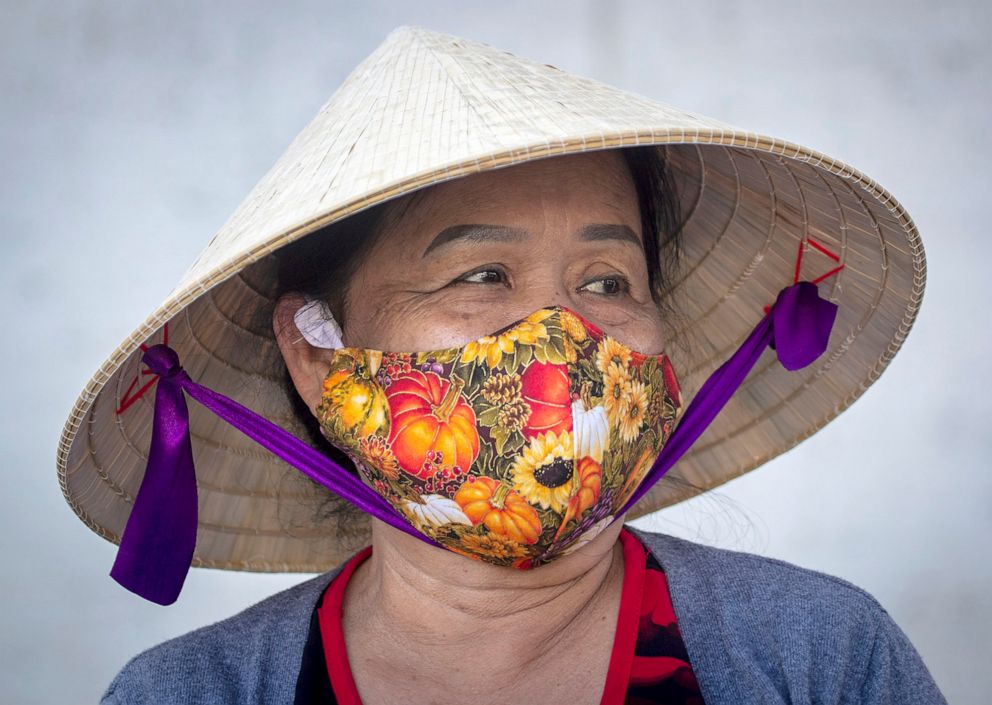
[307,364]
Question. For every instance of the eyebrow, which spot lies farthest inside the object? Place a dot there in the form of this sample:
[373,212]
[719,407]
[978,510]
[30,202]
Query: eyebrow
[593,233]
[481,232]
[475,232]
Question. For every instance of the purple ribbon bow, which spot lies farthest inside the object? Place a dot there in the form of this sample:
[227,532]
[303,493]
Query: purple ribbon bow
[156,549]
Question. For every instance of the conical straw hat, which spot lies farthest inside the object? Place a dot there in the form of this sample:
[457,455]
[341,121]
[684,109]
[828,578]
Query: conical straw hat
[427,107]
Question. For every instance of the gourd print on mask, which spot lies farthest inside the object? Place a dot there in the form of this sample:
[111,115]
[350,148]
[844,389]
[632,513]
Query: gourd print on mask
[513,449]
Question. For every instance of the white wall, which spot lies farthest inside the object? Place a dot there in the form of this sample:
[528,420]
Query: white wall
[129,131]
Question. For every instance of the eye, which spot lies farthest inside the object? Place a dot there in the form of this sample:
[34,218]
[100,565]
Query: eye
[607,286]
[486,275]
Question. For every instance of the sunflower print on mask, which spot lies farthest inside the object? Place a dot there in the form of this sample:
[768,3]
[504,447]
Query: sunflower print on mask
[544,474]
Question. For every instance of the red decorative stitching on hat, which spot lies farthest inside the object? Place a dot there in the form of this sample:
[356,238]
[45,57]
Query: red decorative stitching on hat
[128,399]
[799,262]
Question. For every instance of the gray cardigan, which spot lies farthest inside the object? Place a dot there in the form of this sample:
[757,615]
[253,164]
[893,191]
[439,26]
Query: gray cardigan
[757,631]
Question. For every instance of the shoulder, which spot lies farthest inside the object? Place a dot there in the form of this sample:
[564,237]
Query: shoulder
[752,578]
[760,624]
[253,656]
[765,597]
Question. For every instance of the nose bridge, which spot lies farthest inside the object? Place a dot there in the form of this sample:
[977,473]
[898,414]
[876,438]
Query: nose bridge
[546,290]
[544,280]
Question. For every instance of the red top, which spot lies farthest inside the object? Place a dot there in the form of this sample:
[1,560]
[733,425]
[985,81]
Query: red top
[648,664]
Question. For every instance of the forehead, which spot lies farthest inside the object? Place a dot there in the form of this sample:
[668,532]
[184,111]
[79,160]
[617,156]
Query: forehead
[590,187]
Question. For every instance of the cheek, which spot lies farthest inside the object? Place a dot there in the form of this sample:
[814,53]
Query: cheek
[639,328]
[417,326]
[414,326]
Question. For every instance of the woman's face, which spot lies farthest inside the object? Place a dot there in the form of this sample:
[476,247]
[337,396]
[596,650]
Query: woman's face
[473,255]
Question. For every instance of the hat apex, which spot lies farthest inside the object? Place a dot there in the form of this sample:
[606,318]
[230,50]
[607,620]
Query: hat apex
[425,107]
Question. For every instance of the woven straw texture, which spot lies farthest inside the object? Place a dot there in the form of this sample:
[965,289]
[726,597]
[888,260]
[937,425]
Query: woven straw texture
[426,107]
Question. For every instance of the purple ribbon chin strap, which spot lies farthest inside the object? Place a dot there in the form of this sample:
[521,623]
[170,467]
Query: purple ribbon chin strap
[797,328]
[156,549]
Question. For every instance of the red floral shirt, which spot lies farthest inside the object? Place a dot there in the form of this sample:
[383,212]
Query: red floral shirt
[649,664]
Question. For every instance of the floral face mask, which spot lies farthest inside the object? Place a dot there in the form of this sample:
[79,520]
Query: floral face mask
[513,449]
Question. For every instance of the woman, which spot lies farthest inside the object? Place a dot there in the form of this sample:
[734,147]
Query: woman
[502,357]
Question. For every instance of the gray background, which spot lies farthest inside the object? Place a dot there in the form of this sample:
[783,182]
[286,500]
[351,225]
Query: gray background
[129,131]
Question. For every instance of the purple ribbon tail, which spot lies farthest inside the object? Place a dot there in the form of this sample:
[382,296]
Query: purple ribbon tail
[797,327]
[156,549]
[157,546]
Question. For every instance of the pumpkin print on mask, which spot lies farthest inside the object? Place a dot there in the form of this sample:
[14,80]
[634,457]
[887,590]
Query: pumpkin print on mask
[430,416]
[511,448]
[547,391]
[353,404]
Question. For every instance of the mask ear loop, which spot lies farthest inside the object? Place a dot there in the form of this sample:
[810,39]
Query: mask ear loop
[317,325]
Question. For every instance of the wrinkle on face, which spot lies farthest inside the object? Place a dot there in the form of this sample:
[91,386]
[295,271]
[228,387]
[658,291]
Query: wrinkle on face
[405,295]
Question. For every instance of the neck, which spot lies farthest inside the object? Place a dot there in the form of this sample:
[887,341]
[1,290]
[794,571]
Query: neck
[426,597]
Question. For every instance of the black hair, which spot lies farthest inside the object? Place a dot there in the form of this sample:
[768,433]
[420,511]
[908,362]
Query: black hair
[321,264]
